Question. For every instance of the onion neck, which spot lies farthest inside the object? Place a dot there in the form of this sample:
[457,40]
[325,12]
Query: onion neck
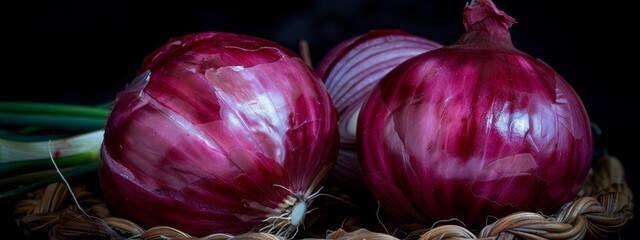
[486,25]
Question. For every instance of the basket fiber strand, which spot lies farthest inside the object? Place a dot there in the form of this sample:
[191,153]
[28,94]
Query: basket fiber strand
[603,206]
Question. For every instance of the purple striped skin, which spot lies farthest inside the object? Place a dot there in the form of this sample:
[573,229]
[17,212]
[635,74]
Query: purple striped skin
[350,70]
[474,131]
[211,133]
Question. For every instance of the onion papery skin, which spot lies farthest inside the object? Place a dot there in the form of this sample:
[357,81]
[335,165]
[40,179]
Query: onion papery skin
[474,131]
[350,70]
[218,132]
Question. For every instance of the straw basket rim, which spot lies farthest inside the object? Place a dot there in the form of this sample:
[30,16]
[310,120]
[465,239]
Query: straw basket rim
[602,208]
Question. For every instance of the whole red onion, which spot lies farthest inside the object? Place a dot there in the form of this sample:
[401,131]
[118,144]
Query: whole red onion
[350,70]
[219,133]
[474,131]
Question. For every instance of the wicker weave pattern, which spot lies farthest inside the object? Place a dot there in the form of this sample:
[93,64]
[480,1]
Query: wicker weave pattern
[603,207]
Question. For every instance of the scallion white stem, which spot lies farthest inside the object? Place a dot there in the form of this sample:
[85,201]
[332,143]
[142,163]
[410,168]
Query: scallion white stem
[90,142]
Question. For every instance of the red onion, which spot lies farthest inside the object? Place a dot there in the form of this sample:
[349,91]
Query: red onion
[474,131]
[350,70]
[219,133]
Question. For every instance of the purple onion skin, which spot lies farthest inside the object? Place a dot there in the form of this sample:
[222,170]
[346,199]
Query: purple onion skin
[350,70]
[474,131]
[212,131]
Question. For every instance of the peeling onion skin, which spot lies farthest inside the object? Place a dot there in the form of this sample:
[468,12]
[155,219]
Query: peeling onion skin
[216,131]
[474,131]
[350,70]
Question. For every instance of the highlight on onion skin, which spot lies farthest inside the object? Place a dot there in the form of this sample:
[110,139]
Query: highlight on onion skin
[219,133]
[474,131]
[350,70]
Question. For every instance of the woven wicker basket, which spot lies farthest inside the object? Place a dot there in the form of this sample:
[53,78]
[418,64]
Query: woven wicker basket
[602,209]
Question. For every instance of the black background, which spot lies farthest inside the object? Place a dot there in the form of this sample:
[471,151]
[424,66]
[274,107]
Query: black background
[83,52]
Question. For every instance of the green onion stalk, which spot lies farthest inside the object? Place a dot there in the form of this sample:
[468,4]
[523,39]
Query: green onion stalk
[35,135]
